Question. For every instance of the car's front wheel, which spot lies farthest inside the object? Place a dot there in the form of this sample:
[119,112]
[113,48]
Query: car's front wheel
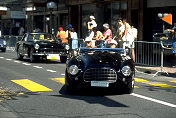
[19,56]
[69,86]
[31,56]
[130,86]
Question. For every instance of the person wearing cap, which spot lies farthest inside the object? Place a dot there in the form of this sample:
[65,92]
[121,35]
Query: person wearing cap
[113,44]
[62,35]
[107,35]
[91,24]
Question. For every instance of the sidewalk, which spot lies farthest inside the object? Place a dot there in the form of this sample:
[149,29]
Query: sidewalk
[152,70]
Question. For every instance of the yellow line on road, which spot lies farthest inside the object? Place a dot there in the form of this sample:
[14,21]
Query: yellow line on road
[136,86]
[174,81]
[140,80]
[161,84]
[60,80]
[30,85]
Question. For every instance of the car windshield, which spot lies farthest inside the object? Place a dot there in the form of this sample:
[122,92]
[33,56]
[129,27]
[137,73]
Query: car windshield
[112,50]
[41,37]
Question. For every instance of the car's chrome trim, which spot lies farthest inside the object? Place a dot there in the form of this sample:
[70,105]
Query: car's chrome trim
[100,74]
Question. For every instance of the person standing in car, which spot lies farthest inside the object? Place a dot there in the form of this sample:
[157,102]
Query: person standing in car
[128,38]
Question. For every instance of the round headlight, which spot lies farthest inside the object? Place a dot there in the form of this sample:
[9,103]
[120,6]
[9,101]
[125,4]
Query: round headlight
[36,46]
[126,70]
[4,42]
[73,70]
[67,47]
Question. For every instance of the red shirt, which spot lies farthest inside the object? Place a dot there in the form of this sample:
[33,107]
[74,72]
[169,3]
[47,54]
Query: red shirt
[108,33]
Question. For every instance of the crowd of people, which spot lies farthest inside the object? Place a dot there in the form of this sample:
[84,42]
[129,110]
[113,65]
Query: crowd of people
[123,38]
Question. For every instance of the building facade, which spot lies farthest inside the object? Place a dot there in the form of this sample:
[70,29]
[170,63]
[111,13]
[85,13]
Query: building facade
[141,14]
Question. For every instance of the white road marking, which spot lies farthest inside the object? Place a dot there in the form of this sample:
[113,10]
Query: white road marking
[153,100]
[9,59]
[63,74]
[1,57]
[51,71]
[37,67]
[17,61]
[26,64]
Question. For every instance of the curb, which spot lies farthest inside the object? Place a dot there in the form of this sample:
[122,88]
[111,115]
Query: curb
[152,71]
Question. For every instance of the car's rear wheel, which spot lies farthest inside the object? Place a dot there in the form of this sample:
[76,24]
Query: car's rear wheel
[69,87]
[19,56]
[31,56]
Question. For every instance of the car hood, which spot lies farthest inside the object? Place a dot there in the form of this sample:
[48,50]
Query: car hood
[101,59]
[49,44]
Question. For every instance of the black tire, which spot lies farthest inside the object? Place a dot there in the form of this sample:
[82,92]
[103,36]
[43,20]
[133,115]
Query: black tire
[130,86]
[19,56]
[4,50]
[63,59]
[32,57]
[69,87]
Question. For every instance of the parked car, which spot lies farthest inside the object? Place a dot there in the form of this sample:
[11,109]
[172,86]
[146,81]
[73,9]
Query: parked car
[41,45]
[3,45]
[100,67]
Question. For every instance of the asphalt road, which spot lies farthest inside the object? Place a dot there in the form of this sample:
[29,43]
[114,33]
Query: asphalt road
[36,90]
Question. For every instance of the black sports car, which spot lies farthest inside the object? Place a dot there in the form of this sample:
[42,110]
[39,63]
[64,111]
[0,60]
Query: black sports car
[100,67]
[3,45]
[41,45]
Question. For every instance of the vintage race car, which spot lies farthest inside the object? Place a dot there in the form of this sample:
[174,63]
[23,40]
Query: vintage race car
[41,45]
[100,67]
[3,45]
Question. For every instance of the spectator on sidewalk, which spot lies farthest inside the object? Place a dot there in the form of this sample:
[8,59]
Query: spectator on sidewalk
[61,34]
[128,38]
[120,33]
[91,24]
[107,35]
[74,38]
[21,31]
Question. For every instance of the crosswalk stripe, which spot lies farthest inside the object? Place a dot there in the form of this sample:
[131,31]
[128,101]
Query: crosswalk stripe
[30,85]
[60,80]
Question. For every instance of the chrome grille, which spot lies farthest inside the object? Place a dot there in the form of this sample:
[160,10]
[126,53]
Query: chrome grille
[100,74]
[51,50]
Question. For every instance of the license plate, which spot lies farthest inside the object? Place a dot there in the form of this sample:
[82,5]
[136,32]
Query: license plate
[99,83]
[53,56]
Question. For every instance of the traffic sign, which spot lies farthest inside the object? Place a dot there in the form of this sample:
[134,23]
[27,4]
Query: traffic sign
[167,18]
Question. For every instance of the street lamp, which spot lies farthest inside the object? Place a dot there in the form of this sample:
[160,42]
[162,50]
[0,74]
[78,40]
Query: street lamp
[50,6]
[161,15]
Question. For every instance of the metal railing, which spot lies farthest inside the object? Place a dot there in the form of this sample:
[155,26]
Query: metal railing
[11,40]
[150,54]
